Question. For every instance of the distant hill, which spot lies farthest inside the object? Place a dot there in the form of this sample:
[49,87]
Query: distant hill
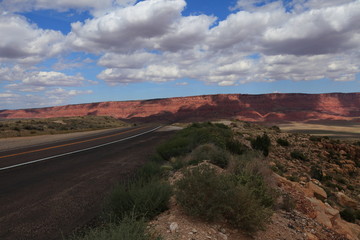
[260,108]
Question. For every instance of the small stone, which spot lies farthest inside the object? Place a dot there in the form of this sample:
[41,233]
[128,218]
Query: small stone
[222,230]
[223,236]
[346,201]
[317,191]
[311,237]
[194,230]
[173,227]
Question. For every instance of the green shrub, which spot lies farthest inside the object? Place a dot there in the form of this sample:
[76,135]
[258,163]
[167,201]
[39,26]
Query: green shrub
[150,170]
[293,178]
[315,139]
[251,171]
[261,143]
[275,128]
[129,228]
[145,198]
[235,147]
[348,214]
[178,163]
[283,142]
[210,152]
[201,193]
[317,173]
[197,134]
[288,203]
[204,194]
[298,155]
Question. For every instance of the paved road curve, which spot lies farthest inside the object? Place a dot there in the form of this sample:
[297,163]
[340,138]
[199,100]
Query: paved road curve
[51,189]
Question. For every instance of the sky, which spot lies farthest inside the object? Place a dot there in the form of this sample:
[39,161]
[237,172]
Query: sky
[59,52]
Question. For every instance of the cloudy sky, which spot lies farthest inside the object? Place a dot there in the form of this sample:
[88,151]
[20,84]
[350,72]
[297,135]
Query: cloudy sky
[57,52]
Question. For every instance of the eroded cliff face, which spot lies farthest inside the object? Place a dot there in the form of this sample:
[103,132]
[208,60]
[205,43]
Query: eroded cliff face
[265,107]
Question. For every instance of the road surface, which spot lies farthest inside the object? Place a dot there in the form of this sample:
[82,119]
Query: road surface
[50,190]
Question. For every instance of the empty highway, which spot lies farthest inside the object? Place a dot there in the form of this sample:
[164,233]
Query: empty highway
[50,190]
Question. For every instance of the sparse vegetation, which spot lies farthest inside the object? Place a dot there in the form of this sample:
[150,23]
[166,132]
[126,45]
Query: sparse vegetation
[298,155]
[209,152]
[128,228]
[348,214]
[234,185]
[288,203]
[144,198]
[131,204]
[205,194]
[31,127]
[197,134]
[283,142]
[317,173]
[261,143]
[315,139]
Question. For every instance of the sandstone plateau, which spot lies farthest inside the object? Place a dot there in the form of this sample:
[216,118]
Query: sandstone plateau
[262,108]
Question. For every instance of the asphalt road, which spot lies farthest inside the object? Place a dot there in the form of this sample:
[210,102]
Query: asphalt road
[43,197]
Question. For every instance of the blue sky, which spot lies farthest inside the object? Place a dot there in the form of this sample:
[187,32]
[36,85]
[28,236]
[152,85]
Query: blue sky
[68,52]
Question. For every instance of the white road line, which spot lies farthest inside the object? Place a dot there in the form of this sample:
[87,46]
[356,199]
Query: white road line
[77,151]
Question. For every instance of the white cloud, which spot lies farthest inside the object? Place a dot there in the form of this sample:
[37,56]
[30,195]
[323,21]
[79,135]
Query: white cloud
[152,24]
[317,4]
[52,97]
[52,79]
[11,73]
[95,6]
[134,60]
[25,43]
[23,88]
[150,41]
[34,81]
[320,31]
[8,95]
[182,83]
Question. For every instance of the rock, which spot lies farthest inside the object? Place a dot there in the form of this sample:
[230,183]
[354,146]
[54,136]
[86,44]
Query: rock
[350,230]
[346,201]
[173,227]
[325,214]
[223,236]
[311,236]
[342,152]
[316,191]
[266,107]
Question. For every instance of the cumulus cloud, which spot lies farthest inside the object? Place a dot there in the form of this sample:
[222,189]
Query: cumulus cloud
[151,41]
[52,79]
[11,73]
[51,97]
[23,80]
[152,24]
[94,6]
[289,45]
[303,5]
[318,31]
[25,43]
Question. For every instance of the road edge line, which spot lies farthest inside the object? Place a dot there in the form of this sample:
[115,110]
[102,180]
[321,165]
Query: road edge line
[77,151]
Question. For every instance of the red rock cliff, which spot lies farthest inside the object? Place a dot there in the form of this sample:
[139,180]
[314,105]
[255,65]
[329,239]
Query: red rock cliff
[265,107]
